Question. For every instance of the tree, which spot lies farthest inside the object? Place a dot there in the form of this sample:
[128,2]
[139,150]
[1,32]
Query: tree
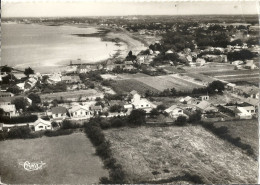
[137,117]
[20,103]
[161,108]
[195,117]
[6,69]
[154,113]
[1,112]
[216,85]
[35,98]
[28,71]
[116,108]
[181,121]
[14,89]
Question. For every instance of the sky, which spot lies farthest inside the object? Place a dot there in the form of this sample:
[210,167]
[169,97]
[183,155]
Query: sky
[21,8]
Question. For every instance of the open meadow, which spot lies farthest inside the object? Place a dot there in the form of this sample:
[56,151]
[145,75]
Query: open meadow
[69,159]
[126,86]
[149,154]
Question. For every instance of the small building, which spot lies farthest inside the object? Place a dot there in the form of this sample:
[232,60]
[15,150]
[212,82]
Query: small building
[59,113]
[141,103]
[174,111]
[80,112]
[71,79]
[8,108]
[230,87]
[41,124]
[200,62]
[237,62]
[205,97]
[96,109]
[242,113]
[206,107]
[250,65]
[6,94]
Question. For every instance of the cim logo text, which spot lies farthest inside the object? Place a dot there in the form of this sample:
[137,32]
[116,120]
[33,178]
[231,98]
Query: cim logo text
[32,166]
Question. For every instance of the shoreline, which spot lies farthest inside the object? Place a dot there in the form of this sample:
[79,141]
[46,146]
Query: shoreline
[124,40]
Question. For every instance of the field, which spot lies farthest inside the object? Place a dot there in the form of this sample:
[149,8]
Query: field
[154,153]
[69,94]
[247,130]
[250,76]
[69,160]
[126,86]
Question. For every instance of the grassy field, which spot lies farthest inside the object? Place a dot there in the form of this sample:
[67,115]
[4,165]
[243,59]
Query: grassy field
[247,130]
[250,76]
[179,82]
[69,160]
[126,86]
[154,153]
[69,94]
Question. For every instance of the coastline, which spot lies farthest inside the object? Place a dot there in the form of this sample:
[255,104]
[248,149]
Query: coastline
[124,41]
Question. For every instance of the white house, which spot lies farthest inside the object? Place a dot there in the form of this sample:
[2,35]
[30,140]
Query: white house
[80,112]
[205,97]
[59,113]
[174,111]
[9,109]
[242,113]
[200,61]
[41,124]
[141,103]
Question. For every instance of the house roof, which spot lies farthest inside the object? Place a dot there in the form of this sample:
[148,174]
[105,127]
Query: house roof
[133,92]
[38,121]
[203,105]
[252,101]
[58,110]
[78,107]
[173,107]
[96,107]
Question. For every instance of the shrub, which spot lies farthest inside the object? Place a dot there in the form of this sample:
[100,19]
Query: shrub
[181,121]
[117,122]
[66,124]
[137,117]
[59,132]
[18,119]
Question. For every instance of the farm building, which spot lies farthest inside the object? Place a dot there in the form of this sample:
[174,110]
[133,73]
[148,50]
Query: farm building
[41,124]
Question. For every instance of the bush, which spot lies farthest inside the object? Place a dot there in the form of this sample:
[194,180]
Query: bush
[59,132]
[181,121]
[66,124]
[117,122]
[18,119]
[137,117]
[19,133]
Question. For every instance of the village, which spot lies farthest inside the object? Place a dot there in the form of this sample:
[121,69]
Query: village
[82,91]
[156,98]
